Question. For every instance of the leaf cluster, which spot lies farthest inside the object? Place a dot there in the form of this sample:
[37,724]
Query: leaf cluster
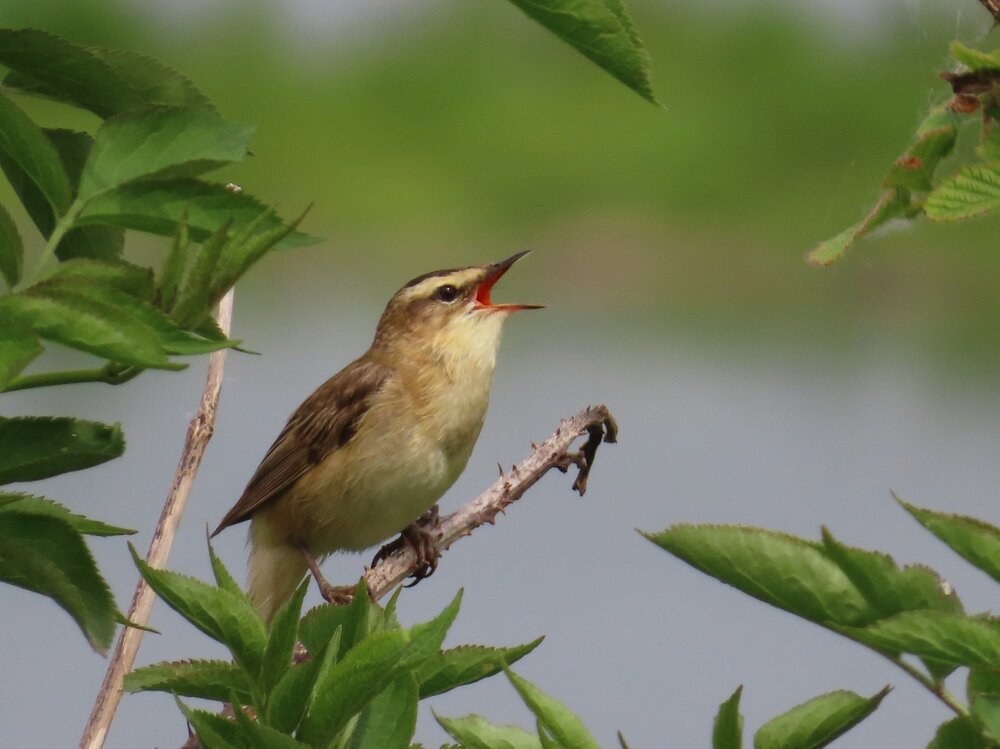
[912,187]
[908,615]
[142,166]
[354,681]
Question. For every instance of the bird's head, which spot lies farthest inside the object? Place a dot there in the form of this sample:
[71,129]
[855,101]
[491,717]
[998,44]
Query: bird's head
[449,308]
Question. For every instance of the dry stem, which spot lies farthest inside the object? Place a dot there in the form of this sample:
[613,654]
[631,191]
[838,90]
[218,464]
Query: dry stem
[595,422]
[198,434]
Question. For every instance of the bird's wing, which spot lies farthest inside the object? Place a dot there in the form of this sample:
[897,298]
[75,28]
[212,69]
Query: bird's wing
[326,421]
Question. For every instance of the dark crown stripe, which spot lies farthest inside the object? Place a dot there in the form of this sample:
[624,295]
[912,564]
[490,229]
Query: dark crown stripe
[432,274]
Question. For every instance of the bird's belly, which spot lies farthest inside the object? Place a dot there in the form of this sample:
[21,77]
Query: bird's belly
[332,509]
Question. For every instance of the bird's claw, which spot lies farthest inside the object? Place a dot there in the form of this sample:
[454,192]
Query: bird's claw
[417,536]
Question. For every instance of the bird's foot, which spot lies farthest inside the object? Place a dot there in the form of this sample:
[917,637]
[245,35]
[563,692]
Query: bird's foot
[336,594]
[419,538]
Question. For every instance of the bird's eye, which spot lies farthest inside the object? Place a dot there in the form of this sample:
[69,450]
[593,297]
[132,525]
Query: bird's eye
[446,293]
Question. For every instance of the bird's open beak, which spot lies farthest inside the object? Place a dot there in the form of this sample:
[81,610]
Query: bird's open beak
[493,274]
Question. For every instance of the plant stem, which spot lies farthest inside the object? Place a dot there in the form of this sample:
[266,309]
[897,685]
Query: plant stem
[935,688]
[63,225]
[111,373]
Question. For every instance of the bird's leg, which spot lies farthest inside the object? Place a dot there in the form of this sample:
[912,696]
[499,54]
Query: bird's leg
[421,540]
[338,594]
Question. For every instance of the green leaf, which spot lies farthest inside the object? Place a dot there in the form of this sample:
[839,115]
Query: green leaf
[939,635]
[26,145]
[224,616]
[974,59]
[117,274]
[154,82]
[264,737]
[985,709]
[36,447]
[78,321]
[894,203]
[974,540]
[160,142]
[171,276]
[602,31]
[914,170]
[427,638]
[209,680]
[974,190]
[475,732]
[287,702]
[281,639]
[32,505]
[66,70]
[171,338]
[45,554]
[159,206]
[352,683]
[959,733]
[11,249]
[467,664]
[781,570]
[222,577]
[727,731]
[391,718]
[355,621]
[819,721]
[17,349]
[194,299]
[555,717]
[890,590]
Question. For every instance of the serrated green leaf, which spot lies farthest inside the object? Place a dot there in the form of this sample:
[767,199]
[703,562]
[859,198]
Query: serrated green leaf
[974,59]
[11,249]
[26,145]
[287,702]
[426,639]
[171,275]
[556,718]
[193,300]
[548,741]
[264,737]
[66,70]
[351,684]
[17,349]
[819,721]
[602,31]
[959,733]
[475,732]
[727,730]
[222,576]
[974,540]
[158,206]
[224,616]
[890,590]
[161,142]
[281,639]
[467,664]
[390,719]
[209,680]
[983,681]
[974,190]
[80,322]
[32,505]
[213,731]
[45,554]
[118,274]
[355,621]
[784,571]
[171,338]
[36,447]
[942,636]
[153,81]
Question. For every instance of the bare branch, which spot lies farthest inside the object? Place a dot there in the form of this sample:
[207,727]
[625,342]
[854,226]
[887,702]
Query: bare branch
[599,426]
[198,434]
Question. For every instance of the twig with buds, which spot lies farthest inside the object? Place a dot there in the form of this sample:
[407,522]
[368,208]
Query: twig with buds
[596,422]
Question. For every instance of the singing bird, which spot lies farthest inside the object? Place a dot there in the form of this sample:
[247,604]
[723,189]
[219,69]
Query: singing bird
[376,445]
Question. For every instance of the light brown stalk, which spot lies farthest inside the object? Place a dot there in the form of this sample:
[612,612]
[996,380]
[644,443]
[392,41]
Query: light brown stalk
[198,434]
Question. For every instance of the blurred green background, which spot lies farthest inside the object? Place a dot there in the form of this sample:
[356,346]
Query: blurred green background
[458,132]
